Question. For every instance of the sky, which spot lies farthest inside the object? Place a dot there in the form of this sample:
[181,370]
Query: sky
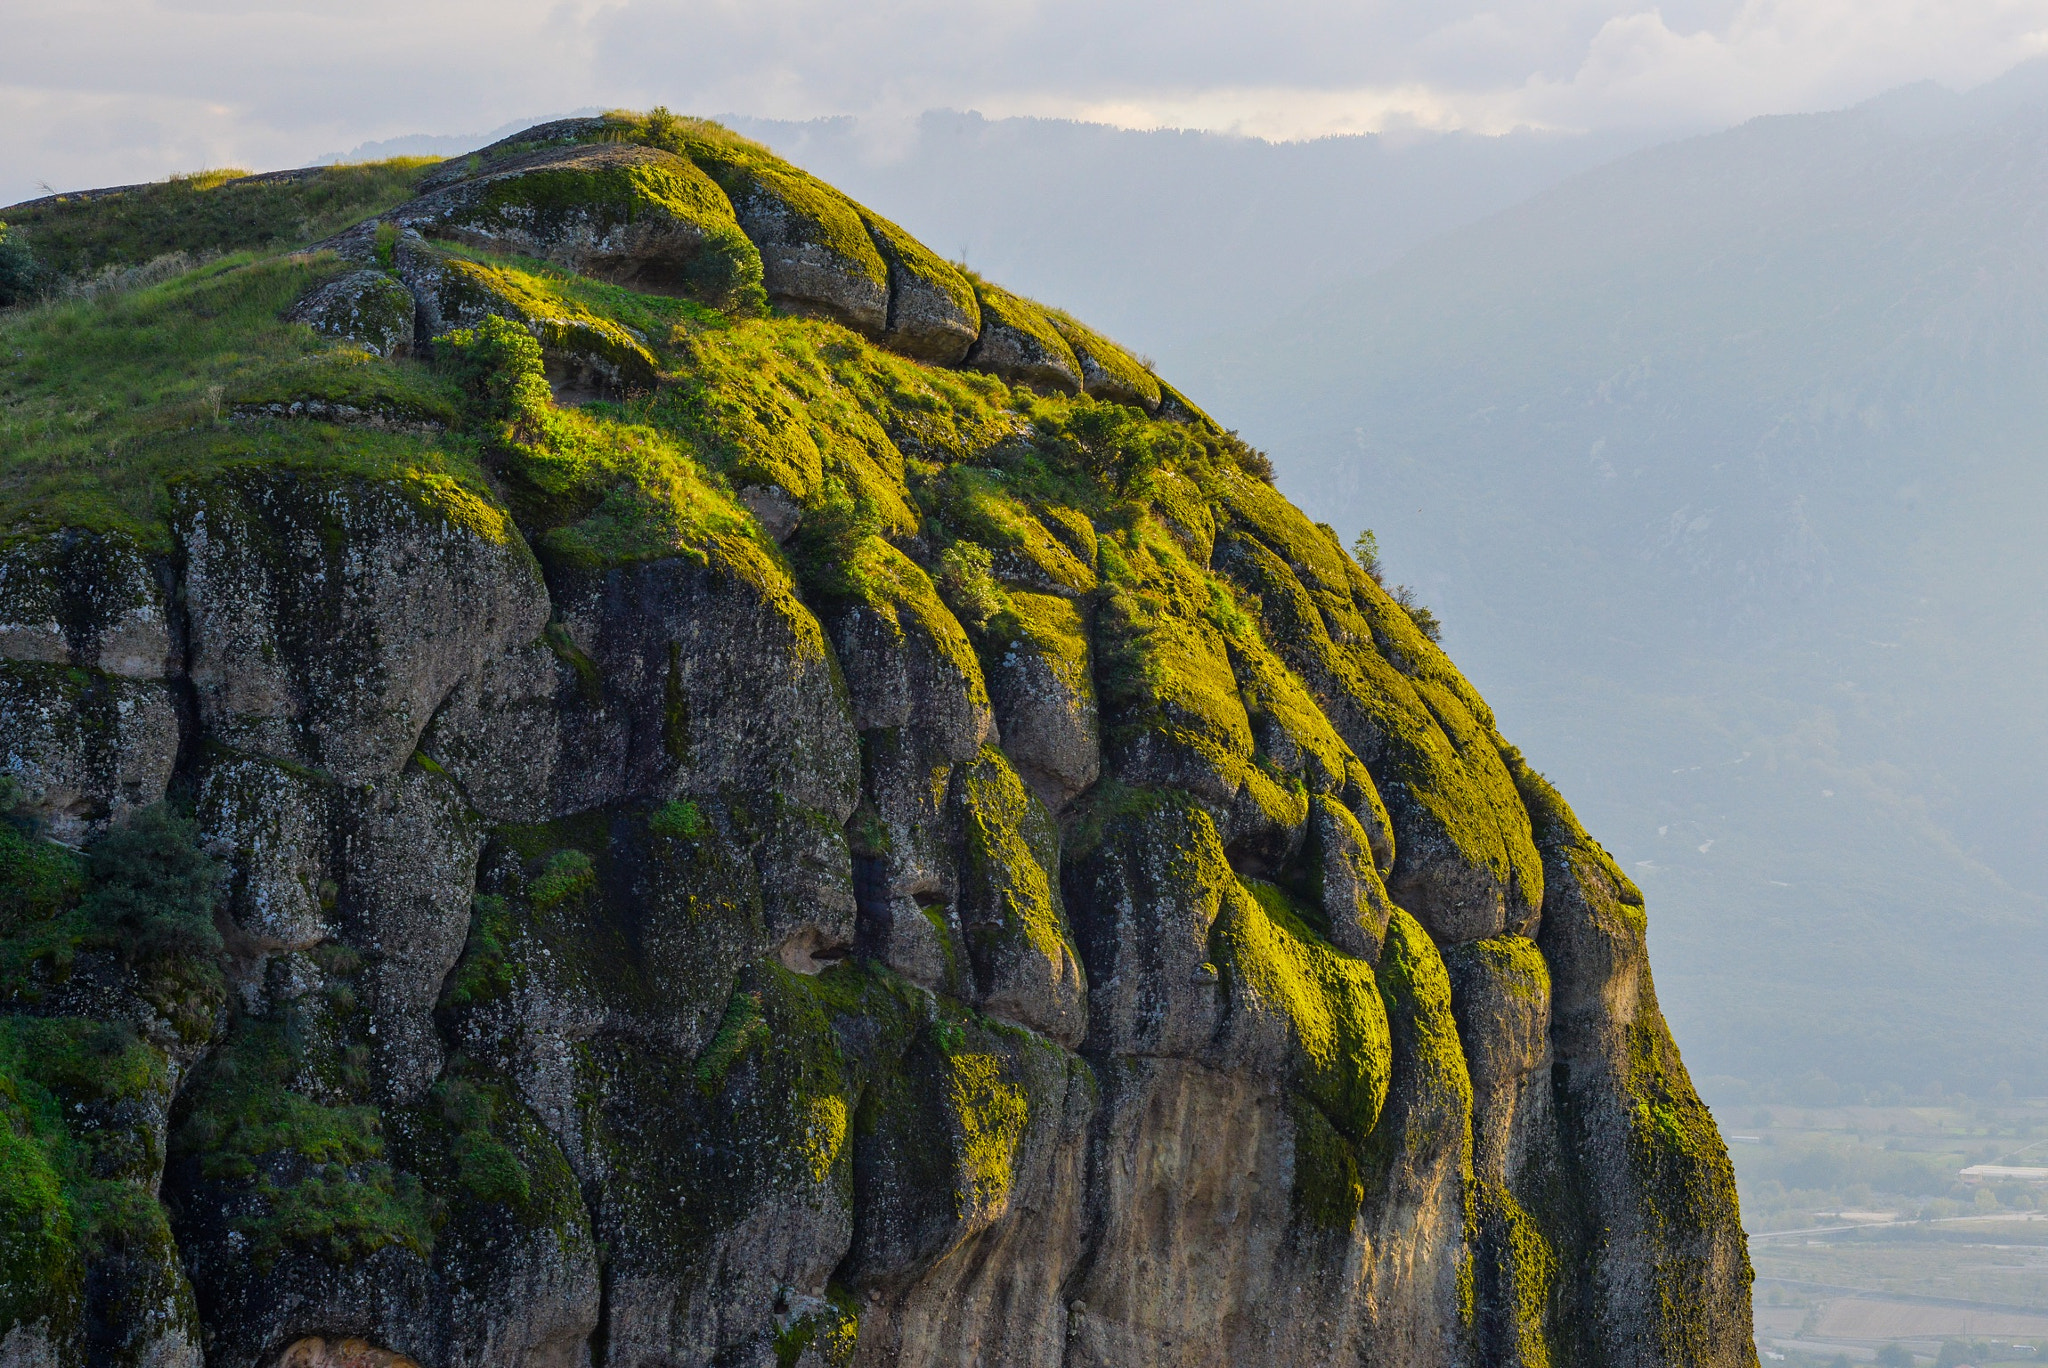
[97,92]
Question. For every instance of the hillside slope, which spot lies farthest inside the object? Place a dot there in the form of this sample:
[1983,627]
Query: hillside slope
[1765,410]
[620,765]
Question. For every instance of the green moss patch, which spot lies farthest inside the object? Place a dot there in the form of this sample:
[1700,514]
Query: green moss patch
[1429,1104]
[1329,1186]
[1330,1001]
[1009,878]
[601,194]
[80,1228]
[831,1330]
[1515,1272]
[1052,628]
[38,878]
[280,1115]
[694,1147]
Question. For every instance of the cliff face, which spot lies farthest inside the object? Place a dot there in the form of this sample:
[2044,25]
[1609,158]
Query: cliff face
[624,767]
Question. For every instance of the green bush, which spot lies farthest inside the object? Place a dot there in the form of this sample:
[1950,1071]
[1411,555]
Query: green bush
[1115,444]
[567,874]
[1249,458]
[152,890]
[498,365]
[1366,550]
[680,819]
[22,278]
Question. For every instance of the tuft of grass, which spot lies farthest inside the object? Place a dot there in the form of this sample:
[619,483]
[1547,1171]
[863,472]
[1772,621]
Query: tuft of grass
[679,819]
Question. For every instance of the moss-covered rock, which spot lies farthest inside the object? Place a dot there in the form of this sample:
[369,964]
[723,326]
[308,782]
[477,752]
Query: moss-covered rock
[1500,994]
[88,746]
[586,352]
[1039,665]
[941,1138]
[816,252]
[1019,343]
[369,308]
[933,315]
[1026,968]
[1107,370]
[735,836]
[91,600]
[1343,881]
[1464,861]
[343,669]
[637,216]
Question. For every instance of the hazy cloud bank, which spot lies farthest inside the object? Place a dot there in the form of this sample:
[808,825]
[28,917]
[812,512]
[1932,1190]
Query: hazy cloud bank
[113,90]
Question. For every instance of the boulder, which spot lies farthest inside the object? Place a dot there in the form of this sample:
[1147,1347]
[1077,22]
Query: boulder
[1019,343]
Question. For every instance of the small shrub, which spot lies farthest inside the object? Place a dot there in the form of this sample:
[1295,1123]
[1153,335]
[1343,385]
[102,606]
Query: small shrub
[22,277]
[680,819]
[836,526]
[152,890]
[567,874]
[1249,458]
[967,581]
[1366,550]
[498,365]
[661,127]
[1425,621]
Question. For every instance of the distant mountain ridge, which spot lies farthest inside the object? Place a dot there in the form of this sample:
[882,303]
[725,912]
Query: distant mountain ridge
[1169,233]
[1767,409]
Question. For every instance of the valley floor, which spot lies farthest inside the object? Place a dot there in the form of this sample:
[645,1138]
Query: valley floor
[1865,1235]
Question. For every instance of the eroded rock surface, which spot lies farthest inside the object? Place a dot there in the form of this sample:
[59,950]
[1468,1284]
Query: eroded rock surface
[1003,887]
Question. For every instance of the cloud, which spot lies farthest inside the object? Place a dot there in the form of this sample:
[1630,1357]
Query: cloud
[100,91]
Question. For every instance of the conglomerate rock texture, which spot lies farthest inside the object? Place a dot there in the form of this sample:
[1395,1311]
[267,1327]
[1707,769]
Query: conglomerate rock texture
[766,802]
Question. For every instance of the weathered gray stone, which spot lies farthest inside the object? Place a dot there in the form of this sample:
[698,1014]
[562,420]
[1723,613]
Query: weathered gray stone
[369,308]
[331,617]
[87,748]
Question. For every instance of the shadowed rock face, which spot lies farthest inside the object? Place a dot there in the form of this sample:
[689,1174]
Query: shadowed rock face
[1005,888]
